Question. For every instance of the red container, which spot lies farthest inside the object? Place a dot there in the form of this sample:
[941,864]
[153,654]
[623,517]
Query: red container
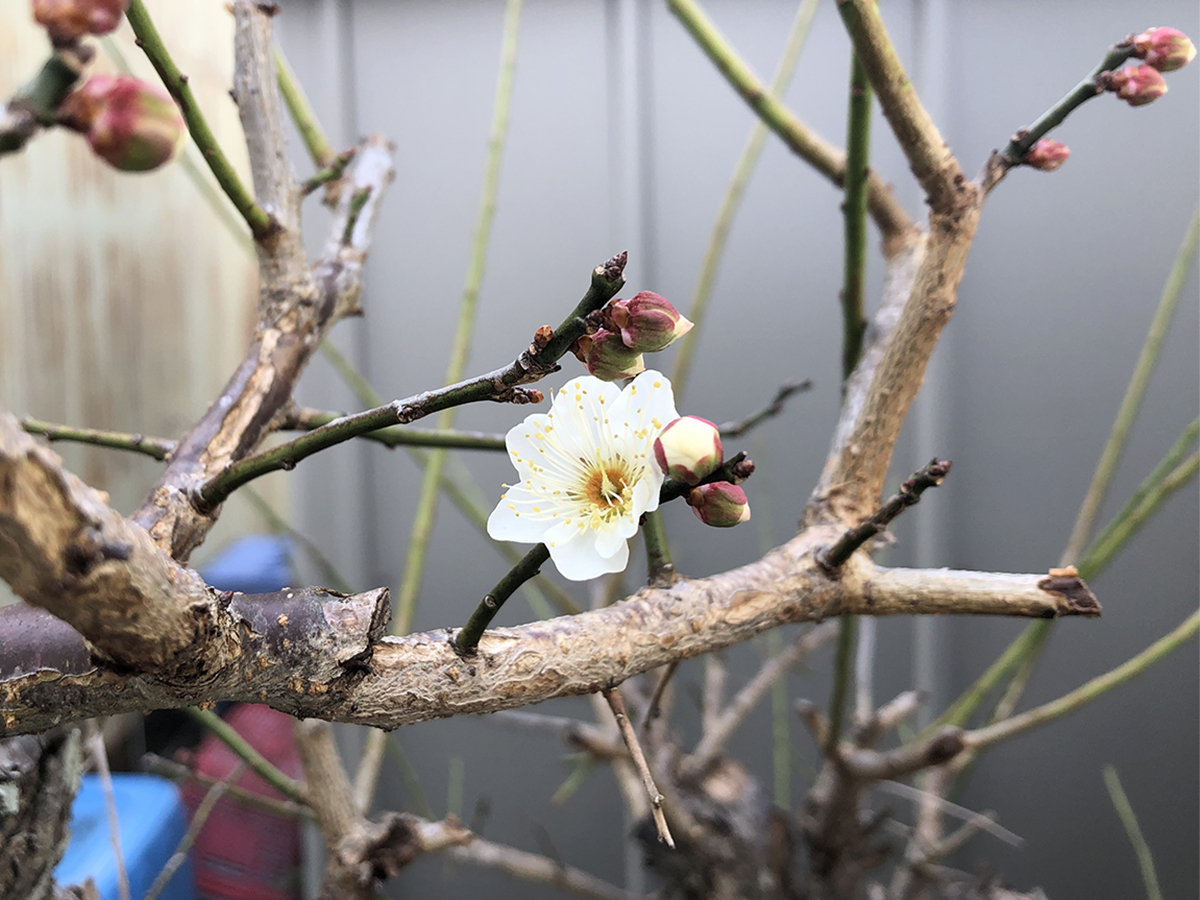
[245,853]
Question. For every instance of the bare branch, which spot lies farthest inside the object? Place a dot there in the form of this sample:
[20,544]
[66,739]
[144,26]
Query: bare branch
[928,156]
[723,727]
[617,705]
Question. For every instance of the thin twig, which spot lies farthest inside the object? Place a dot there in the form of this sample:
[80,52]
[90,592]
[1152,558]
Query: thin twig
[168,768]
[717,735]
[260,222]
[654,704]
[984,823]
[1001,731]
[537,869]
[854,216]
[302,113]
[158,448]
[658,552]
[742,427]
[211,797]
[1128,819]
[617,705]
[1134,394]
[928,155]
[909,494]
[226,734]
[35,104]
[821,155]
[730,203]
[1019,144]
[332,172]
[468,638]
[842,668]
[501,385]
[100,757]
[1118,533]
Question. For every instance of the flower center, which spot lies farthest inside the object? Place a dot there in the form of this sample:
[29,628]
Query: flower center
[607,488]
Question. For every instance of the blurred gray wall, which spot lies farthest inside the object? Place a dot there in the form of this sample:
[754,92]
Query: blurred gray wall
[624,137]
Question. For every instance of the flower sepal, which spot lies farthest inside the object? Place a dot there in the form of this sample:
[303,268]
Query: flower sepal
[606,356]
[719,504]
[647,322]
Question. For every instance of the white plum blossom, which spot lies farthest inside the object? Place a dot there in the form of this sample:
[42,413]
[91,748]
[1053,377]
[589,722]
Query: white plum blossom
[588,473]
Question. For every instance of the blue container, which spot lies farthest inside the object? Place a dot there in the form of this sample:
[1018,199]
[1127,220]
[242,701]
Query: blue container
[153,820]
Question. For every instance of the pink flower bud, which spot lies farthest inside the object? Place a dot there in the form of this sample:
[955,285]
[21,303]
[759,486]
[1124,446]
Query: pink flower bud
[607,357]
[719,504]
[689,449]
[1136,85]
[131,125]
[69,20]
[1166,49]
[647,322]
[1046,155]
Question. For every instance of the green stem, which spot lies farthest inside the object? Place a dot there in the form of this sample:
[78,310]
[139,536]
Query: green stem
[35,104]
[732,200]
[1128,819]
[225,733]
[781,742]
[500,385]
[1126,526]
[260,222]
[302,113]
[1134,393]
[531,562]
[331,172]
[824,157]
[426,512]
[1167,477]
[398,436]
[658,551]
[858,151]
[158,448]
[842,666]
[1077,698]
[1020,143]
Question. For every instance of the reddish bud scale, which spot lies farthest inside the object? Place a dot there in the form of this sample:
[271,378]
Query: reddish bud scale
[720,504]
[131,125]
[69,20]
[607,357]
[647,322]
[1137,85]
[1046,155]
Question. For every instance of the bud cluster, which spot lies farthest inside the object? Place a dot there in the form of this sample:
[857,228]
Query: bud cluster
[645,323]
[1164,50]
[689,450]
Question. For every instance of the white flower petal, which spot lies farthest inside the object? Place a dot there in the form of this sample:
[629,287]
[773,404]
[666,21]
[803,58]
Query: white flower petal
[610,540]
[515,519]
[579,560]
[645,496]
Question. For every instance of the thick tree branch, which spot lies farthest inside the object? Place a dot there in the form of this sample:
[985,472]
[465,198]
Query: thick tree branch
[311,653]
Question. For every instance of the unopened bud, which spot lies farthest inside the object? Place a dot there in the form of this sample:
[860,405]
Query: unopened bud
[607,357]
[647,322]
[1136,85]
[131,125]
[719,504]
[69,20]
[689,449]
[1166,49]
[1046,155]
